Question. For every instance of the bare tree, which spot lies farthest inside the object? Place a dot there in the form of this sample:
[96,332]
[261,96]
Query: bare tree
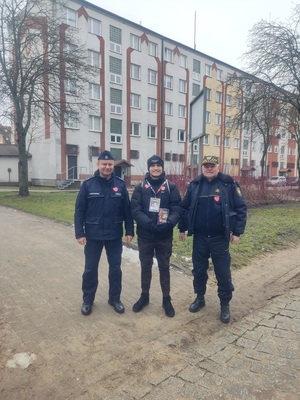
[39,55]
[274,57]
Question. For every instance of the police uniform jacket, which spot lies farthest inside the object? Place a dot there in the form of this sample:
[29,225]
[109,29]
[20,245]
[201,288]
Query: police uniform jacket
[101,208]
[228,196]
[147,220]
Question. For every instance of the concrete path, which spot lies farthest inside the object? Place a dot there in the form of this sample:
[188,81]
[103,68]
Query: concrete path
[131,356]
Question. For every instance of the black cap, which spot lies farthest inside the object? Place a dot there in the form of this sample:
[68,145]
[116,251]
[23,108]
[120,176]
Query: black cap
[105,155]
[155,160]
[210,160]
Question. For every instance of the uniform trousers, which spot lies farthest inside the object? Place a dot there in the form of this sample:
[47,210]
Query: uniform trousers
[218,249]
[162,249]
[93,250]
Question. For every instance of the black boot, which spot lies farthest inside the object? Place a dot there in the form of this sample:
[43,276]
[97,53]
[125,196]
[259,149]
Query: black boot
[141,303]
[225,313]
[167,305]
[198,303]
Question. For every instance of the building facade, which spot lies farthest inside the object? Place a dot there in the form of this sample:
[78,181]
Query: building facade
[142,92]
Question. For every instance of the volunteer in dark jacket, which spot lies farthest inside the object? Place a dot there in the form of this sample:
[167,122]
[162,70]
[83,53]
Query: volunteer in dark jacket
[216,215]
[155,208]
[102,206]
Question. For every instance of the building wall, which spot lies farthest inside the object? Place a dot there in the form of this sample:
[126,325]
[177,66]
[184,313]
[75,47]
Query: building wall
[62,149]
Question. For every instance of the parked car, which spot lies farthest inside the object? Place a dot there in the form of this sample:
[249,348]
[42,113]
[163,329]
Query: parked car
[292,181]
[276,181]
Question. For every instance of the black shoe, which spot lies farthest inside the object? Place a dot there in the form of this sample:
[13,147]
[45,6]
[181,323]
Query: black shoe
[167,305]
[117,305]
[141,303]
[225,313]
[198,303]
[86,309]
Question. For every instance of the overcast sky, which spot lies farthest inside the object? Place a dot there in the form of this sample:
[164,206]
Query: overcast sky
[222,26]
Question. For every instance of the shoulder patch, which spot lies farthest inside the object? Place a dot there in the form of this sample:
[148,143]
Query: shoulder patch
[238,191]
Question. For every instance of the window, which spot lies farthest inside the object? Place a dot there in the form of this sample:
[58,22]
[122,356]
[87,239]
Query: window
[208,94]
[227,141]
[219,74]
[228,100]
[115,101]
[94,91]
[182,86]
[135,129]
[254,145]
[94,58]
[182,61]
[71,87]
[217,140]
[168,55]
[152,77]
[152,104]
[72,120]
[218,97]
[236,143]
[218,119]
[182,111]
[152,49]
[195,147]
[168,82]
[135,71]
[195,89]
[168,134]
[208,70]
[115,69]
[94,123]
[115,130]
[135,42]
[94,26]
[168,108]
[207,117]
[181,135]
[196,69]
[269,149]
[206,139]
[115,37]
[276,150]
[229,78]
[151,131]
[115,65]
[134,154]
[135,100]
[227,120]
[116,153]
[69,16]
[115,34]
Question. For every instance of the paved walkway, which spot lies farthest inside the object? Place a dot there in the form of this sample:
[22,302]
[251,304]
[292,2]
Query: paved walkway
[131,356]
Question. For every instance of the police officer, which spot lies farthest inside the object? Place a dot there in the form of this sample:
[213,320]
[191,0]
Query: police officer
[216,215]
[102,205]
[155,208]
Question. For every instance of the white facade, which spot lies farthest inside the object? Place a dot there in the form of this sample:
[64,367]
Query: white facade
[141,93]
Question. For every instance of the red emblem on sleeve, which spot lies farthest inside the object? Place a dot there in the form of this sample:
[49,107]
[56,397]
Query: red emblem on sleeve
[115,189]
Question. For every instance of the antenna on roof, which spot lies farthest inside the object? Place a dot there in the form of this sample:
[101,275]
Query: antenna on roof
[195,31]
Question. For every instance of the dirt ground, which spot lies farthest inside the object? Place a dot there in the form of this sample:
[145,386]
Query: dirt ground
[96,359]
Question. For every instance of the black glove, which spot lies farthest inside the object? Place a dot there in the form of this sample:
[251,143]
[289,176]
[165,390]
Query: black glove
[153,227]
[167,226]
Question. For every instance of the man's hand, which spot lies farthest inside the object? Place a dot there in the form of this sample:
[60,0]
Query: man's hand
[234,239]
[182,236]
[128,239]
[82,240]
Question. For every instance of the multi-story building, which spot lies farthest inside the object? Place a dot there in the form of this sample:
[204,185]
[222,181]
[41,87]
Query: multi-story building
[143,89]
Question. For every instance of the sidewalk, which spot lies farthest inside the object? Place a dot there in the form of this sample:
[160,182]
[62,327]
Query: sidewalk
[131,356]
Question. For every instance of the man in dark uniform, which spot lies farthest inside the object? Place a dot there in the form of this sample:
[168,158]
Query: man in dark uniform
[155,208]
[102,205]
[216,215]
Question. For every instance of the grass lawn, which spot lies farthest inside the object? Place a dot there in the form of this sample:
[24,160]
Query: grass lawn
[268,228]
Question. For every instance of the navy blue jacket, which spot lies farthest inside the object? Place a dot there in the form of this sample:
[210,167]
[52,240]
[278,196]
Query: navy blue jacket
[234,209]
[147,220]
[101,208]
